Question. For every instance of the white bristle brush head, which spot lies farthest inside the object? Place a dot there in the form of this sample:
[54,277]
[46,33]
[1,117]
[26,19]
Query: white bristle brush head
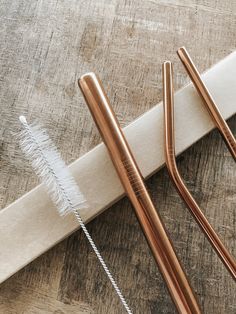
[51,169]
[61,186]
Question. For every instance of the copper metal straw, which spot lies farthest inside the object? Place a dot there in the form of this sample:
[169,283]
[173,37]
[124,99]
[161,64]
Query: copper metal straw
[208,100]
[134,186]
[168,100]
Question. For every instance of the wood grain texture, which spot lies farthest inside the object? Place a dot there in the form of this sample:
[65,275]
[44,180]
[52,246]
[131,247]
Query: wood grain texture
[45,47]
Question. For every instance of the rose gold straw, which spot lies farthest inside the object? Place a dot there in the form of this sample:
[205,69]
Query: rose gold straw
[134,186]
[213,238]
[208,100]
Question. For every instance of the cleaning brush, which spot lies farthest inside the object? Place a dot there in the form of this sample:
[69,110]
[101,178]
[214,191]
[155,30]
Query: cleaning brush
[61,186]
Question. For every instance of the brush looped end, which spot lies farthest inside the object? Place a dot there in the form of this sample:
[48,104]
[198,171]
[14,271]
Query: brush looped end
[23,120]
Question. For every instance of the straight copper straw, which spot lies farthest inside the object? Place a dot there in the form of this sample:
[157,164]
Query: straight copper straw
[134,186]
[168,100]
[214,112]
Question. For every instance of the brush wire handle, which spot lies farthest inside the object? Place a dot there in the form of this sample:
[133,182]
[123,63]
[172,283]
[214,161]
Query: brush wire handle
[134,186]
[168,101]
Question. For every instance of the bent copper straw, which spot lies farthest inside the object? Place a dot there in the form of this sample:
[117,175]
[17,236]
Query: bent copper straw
[168,100]
[134,186]
[208,101]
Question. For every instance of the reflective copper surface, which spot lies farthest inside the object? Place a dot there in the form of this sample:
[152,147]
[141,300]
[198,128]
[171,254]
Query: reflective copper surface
[134,186]
[208,100]
[168,101]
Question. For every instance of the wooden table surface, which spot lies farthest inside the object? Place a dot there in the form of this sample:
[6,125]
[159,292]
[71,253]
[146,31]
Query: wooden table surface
[45,46]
